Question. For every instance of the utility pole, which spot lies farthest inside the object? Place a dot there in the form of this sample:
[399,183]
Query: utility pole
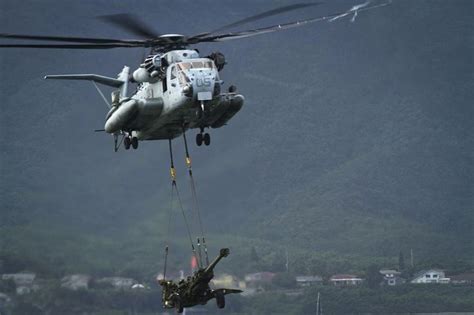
[411,258]
[317,305]
[287,264]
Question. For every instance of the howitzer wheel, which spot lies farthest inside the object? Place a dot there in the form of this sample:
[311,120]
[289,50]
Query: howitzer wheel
[220,299]
[178,305]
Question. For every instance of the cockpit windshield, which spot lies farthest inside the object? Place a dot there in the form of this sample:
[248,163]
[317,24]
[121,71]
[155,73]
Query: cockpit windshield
[195,65]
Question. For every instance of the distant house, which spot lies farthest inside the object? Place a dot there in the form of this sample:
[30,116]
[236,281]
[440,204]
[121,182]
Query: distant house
[23,281]
[464,278]
[430,276]
[306,281]
[76,282]
[391,277]
[118,282]
[4,299]
[20,279]
[345,280]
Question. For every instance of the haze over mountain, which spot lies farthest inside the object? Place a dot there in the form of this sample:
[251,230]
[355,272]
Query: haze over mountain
[354,137]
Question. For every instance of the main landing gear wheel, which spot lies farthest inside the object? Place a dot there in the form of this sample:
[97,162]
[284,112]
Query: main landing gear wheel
[127,142]
[134,143]
[199,139]
[207,139]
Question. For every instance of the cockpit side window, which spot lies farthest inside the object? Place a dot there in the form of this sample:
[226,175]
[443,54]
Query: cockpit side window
[183,78]
[173,73]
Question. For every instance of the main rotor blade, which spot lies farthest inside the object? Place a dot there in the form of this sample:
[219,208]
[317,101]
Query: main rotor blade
[131,24]
[266,14]
[280,27]
[71,39]
[71,46]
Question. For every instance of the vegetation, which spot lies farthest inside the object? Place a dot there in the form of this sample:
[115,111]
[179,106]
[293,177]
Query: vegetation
[355,300]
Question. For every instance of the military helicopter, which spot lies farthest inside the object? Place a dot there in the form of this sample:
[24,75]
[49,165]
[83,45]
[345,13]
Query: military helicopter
[178,89]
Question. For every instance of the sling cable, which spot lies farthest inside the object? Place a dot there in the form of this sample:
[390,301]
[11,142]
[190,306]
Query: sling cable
[201,242]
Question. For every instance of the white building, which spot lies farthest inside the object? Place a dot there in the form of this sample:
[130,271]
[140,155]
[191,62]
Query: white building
[76,282]
[23,281]
[430,276]
[20,279]
[345,280]
[306,281]
[118,282]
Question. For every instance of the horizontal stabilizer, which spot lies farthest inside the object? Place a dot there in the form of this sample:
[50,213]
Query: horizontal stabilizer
[88,77]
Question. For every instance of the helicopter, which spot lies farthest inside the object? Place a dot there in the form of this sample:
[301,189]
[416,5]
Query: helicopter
[177,88]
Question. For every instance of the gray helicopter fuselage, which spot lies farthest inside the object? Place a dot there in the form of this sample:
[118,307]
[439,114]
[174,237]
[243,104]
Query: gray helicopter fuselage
[184,94]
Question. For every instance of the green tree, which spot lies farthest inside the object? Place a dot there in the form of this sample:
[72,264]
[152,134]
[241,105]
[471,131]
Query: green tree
[373,276]
[7,286]
[401,262]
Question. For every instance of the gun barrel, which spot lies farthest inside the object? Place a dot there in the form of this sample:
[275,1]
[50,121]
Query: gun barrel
[224,252]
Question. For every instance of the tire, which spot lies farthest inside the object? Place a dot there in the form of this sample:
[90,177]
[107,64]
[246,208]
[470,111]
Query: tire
[179,308]
[199,139]
[178,305]
[207,139]
[220,299]
[126,143]
[135,143]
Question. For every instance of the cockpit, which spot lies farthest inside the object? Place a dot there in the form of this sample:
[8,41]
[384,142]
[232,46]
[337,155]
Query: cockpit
[195,65]
[183,70]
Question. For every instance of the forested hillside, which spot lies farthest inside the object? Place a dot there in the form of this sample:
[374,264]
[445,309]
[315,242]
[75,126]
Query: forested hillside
[354,143]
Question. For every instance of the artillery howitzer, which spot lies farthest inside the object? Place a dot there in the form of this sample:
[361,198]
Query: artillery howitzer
[195,289]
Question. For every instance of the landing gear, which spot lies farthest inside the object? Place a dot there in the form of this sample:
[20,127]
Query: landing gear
[126,142]
[130,140]
[200,138]
[135,143]
[207,139]
[116,144]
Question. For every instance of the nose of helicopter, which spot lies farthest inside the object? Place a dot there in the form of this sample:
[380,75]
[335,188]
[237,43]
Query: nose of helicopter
[203,83]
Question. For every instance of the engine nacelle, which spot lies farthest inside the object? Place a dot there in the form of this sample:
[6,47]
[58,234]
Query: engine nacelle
[118,117]
[219,60]
[141,75]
